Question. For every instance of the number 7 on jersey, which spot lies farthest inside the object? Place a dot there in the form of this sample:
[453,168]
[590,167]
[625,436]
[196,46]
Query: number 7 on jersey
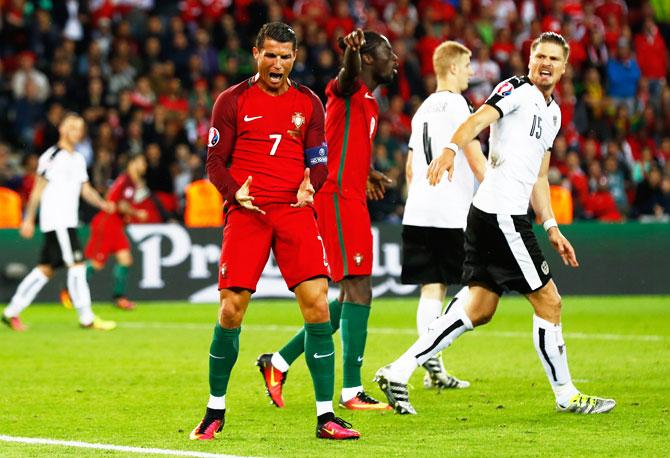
[277,139]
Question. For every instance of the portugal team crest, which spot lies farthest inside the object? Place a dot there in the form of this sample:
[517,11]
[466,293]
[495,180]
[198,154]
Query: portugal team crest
[358,259]
[298,120]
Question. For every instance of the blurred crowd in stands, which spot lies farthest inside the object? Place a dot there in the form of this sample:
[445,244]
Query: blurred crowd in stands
[144,74]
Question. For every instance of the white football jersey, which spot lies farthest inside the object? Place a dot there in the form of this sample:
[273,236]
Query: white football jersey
[445,205]
[65,172]
[525,131]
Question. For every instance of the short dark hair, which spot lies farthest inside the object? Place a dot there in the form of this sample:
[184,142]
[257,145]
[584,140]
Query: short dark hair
[278,31]
[372,40]
[551,37]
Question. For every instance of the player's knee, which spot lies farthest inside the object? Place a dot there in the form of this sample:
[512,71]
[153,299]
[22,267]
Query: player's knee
[46,270]
[229,317]
[316,310]
[358,290]
[318,314]
[554,304]
[552,300]
[481,316]
[231,311]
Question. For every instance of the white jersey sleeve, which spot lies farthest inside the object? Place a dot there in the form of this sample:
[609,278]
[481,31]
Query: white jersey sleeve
[505,98]
[45,161]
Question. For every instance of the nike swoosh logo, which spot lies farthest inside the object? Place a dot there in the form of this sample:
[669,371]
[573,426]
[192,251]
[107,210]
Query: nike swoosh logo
[359,359]
[330,432]
[273,383]
[217,357]
[369,96]
[251,118]
[318,356]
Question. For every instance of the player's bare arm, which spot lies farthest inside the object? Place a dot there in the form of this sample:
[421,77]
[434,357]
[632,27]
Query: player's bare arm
[540,200]
[305,194]
[376,184]
[409,171]
[245,199]
[352,64]
[478,121]
[476,159]
[27,229]
[90,195]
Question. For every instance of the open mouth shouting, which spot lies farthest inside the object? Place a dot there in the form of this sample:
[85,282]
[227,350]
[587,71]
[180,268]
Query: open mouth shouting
[275,77]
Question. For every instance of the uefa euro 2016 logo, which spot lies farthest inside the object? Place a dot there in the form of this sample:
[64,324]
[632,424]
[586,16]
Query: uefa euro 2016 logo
[213,137]
[505,89]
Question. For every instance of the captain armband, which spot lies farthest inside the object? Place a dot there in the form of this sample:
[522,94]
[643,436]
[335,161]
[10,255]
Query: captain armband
[316,155]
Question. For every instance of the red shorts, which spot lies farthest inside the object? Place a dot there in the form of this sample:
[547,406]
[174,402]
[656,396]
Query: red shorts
[291,233]
[347,234]
[107,237]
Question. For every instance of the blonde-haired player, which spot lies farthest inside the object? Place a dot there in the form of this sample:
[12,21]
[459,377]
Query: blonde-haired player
[435,216]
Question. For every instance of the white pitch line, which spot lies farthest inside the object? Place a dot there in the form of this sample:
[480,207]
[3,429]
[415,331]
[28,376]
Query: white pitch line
[117,448]
[396,331]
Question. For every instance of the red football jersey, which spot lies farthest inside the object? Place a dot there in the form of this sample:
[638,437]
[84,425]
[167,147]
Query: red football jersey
[123,188]
[263,136]
[351,125]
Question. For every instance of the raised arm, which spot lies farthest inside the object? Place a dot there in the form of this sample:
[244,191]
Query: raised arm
[351,63]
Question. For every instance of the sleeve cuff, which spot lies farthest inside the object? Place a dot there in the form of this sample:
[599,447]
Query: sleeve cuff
[496,107]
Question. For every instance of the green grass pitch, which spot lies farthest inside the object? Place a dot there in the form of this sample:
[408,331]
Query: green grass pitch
[145,384]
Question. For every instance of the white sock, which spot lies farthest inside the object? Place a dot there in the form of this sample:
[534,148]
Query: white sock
[441,333]
[279,362]
[427,310]
[324,407]
[26,292]
[80,294]
[217,402]
[550,347]
[350,393]
[461,295]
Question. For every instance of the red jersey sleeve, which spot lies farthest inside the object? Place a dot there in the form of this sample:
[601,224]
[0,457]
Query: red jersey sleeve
[315,140]
[335,87]
[115,192]
[222,135]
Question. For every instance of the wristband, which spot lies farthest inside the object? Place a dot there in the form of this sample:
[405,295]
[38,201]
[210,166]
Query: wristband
[452,146]
[548,224]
